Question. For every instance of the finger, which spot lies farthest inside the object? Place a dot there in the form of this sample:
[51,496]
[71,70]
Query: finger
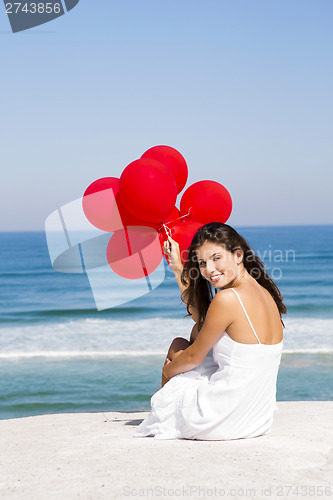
[169,244]
[166,248]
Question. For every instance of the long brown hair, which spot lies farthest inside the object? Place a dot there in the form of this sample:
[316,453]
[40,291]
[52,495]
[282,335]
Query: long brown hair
[199,292]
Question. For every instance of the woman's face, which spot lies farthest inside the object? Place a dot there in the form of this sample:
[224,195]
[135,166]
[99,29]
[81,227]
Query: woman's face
[218,265]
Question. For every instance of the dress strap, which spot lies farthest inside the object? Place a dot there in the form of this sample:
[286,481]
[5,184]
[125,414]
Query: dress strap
[247,316]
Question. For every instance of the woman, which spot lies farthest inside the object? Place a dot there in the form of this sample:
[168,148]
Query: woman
[222,383]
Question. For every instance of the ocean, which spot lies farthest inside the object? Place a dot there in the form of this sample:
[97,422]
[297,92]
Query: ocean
[60,354]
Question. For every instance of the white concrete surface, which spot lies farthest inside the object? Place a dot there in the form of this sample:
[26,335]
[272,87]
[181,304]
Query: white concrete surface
[95,456]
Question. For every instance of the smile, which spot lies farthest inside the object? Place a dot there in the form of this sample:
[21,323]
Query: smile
[215,278]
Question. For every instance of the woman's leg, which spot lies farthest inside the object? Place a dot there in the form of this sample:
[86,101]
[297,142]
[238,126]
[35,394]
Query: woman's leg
[177,346]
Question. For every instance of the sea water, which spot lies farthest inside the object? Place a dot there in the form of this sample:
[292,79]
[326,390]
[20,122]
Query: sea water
[58,353]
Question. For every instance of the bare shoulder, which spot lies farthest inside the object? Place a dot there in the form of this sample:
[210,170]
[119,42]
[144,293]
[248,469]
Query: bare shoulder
[224,303]
[225,297]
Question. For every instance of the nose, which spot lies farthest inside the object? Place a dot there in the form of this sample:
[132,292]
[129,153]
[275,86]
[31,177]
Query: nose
[210,268]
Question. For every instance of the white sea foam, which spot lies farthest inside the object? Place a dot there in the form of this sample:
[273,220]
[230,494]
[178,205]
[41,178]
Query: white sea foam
[59,355]
[308,351]
[95,335]
[78,354]
[149,336]
[308,334]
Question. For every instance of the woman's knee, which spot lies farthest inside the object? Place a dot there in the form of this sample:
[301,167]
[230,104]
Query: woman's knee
[179,340]
[178,344]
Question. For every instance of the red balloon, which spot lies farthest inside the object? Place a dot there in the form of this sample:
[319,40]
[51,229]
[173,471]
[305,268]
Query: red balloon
[206,201]
[173,160]
[134,252]
[148,190]
[183,233]
[99,205]
[129,219]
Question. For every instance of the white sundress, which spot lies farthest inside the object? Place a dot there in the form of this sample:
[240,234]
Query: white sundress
[230,395]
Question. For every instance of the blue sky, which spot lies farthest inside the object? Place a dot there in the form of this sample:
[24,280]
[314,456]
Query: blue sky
[243,88]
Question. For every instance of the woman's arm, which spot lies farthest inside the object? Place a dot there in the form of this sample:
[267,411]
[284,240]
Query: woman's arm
[219,316]
[171,249]
[182,363]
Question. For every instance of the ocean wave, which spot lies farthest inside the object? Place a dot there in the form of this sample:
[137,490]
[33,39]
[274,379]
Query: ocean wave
[310,307]
[38,316]
[35,273]
[300,301]
[309,351]
[315,255]
[93,310]
[141,335]
[119,354]
[77,354]
[94,334]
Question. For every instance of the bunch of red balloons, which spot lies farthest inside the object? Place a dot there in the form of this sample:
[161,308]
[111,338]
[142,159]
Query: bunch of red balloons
[144,197]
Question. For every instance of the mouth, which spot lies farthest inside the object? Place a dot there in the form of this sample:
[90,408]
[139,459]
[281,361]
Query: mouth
[215,278]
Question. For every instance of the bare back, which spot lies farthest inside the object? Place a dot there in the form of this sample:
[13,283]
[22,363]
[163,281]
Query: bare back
[263,314]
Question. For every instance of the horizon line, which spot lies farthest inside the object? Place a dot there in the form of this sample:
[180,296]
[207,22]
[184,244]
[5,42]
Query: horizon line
[2,231]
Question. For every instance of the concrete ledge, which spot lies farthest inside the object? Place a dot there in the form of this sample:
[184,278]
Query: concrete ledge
[94,456]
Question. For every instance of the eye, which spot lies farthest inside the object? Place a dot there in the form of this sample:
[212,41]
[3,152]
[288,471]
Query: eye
[201,264]
[216,258]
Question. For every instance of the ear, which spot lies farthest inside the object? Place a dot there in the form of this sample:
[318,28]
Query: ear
[239,256]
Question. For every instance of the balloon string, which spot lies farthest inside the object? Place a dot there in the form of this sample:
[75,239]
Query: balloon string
[186,215]
[167,229]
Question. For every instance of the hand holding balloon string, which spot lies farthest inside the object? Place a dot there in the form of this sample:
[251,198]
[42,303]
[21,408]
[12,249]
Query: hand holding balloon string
[171,249]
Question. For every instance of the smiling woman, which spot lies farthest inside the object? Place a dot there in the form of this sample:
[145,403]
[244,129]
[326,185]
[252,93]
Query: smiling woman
[220,266]
[222,257]
[222,383]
